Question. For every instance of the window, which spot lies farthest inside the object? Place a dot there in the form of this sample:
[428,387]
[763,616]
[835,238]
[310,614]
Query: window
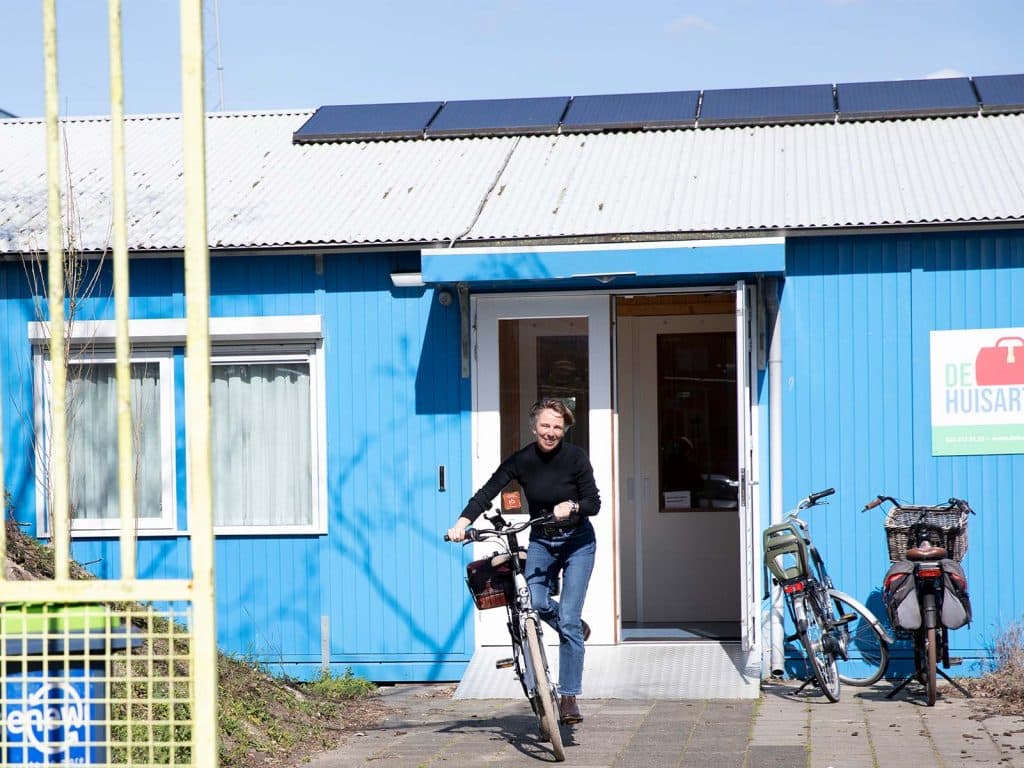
[91,407]
[697,417]
[267,413]
[265,441]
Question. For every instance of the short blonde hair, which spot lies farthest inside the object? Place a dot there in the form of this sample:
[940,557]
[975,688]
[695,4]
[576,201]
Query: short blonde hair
[552,404]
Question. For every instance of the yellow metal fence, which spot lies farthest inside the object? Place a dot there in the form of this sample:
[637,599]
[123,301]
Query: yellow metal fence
[119,671]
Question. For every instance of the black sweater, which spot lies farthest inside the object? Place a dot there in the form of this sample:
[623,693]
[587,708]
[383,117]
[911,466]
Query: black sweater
[547,479]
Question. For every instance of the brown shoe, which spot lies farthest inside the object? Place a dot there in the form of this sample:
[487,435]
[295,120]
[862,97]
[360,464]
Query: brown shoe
[586,630]
[569,711]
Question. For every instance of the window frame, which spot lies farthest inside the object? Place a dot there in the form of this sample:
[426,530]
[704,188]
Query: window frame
[229,336]
[311,353]
[99,353]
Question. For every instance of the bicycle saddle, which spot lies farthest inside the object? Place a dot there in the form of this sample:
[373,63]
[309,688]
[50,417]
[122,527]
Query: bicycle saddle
[927,552]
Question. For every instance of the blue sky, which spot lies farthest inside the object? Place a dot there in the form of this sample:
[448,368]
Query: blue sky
[277,54]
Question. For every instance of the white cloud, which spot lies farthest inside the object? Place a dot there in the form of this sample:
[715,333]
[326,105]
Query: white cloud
[689,22]
[945,72]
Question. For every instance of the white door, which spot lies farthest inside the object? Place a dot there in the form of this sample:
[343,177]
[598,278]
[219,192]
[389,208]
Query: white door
[532,346]
[686,446]
[745,442]
[679,539]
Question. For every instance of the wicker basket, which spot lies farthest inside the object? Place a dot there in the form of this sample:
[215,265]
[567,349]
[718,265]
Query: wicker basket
[491,585]
[951,522]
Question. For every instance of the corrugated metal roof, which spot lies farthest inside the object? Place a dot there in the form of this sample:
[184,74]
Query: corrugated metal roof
[266,191]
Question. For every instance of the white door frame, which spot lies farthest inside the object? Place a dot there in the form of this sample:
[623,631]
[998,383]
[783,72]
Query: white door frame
[748,506]
[486,312]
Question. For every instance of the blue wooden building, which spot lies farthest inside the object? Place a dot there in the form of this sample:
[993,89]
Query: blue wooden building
[747,295]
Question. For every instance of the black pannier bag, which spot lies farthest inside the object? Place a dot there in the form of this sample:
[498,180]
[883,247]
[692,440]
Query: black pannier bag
[956,603]
[900,596]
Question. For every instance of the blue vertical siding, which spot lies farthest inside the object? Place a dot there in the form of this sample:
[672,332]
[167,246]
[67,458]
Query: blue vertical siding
[396,409]
[857,313]
[393,588]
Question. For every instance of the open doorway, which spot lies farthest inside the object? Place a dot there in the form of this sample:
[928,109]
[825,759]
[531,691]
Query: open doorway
[679,436]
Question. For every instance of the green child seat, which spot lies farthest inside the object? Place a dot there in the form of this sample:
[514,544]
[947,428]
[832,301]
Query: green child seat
[785,552]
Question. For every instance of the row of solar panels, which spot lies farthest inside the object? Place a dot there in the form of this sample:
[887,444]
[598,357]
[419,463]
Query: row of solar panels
[677,109]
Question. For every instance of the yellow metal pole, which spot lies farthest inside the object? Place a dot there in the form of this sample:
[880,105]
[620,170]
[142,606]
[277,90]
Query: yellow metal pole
[55,265]
[197,377]
[125,450]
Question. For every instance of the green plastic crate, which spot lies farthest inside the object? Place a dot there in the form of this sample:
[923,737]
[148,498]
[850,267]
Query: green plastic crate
[19,619]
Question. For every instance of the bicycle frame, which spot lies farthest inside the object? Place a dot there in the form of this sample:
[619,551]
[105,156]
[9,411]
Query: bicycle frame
[521,609]
[529,658]
[814,604]
[931,638]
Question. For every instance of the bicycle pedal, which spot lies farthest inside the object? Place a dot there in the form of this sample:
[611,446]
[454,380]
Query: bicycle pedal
[955,661]
[504,664]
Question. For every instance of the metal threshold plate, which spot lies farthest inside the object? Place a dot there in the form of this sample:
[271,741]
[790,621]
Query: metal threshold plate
[691,670]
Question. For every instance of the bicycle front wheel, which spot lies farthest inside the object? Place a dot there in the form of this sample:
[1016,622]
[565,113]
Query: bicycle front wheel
[547,708]
[867,652]
[814,634]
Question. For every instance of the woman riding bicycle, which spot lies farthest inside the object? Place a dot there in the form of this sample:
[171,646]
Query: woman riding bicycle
[557,478]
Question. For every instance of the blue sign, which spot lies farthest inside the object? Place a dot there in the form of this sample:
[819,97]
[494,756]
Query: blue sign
[55,714]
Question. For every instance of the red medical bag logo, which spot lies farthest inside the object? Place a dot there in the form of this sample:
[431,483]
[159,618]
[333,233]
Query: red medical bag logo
[1002,364]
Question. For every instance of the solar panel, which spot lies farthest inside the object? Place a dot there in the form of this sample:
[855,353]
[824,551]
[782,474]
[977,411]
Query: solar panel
[906,98]
[358,122]
[795,103]
[495,117]
[631,111]
[1001,93]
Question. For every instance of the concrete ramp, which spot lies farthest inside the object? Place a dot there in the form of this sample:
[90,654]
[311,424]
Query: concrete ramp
[692,670]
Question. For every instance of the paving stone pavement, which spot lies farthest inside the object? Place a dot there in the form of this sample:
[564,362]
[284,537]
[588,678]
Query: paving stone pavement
[785,728]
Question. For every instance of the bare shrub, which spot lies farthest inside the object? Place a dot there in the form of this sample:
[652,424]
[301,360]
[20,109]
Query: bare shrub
[1006,681]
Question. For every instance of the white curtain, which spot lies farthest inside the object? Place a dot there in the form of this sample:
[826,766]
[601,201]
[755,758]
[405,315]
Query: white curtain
[92,440]
[262,463]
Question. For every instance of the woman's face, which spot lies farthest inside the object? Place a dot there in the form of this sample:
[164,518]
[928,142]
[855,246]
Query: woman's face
[549,429]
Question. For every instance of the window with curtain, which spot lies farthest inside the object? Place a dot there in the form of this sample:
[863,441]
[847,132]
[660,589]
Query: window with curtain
[263,443]
[91,405]
[267,412]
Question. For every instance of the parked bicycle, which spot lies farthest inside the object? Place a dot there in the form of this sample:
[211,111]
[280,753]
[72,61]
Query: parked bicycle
[842,640]
[925,589]
[499,580]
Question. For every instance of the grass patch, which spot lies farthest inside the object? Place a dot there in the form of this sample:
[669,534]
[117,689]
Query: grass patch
[347,686]
[266,720]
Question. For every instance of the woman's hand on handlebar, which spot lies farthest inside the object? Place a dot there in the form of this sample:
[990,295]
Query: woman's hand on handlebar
[458,531]
[563,510]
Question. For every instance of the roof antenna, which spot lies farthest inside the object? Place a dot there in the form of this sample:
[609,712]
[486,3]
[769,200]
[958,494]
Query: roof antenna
[215,6]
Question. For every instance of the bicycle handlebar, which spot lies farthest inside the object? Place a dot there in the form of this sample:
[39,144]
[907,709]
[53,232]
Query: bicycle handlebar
[812,499]
[882,498]
[476,534]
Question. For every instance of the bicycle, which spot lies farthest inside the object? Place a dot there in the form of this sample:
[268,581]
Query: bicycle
[925,588]
[821,614]
[499,580]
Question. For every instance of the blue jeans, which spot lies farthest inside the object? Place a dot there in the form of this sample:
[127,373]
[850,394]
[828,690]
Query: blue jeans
[572,554]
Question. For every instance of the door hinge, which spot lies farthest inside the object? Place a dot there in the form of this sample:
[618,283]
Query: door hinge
[743,487]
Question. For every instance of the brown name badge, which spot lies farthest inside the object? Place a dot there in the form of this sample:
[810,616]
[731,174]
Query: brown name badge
[510,501]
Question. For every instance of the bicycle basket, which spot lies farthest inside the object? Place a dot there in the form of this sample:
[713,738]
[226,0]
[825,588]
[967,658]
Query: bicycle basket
[949,522]
[491,585]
